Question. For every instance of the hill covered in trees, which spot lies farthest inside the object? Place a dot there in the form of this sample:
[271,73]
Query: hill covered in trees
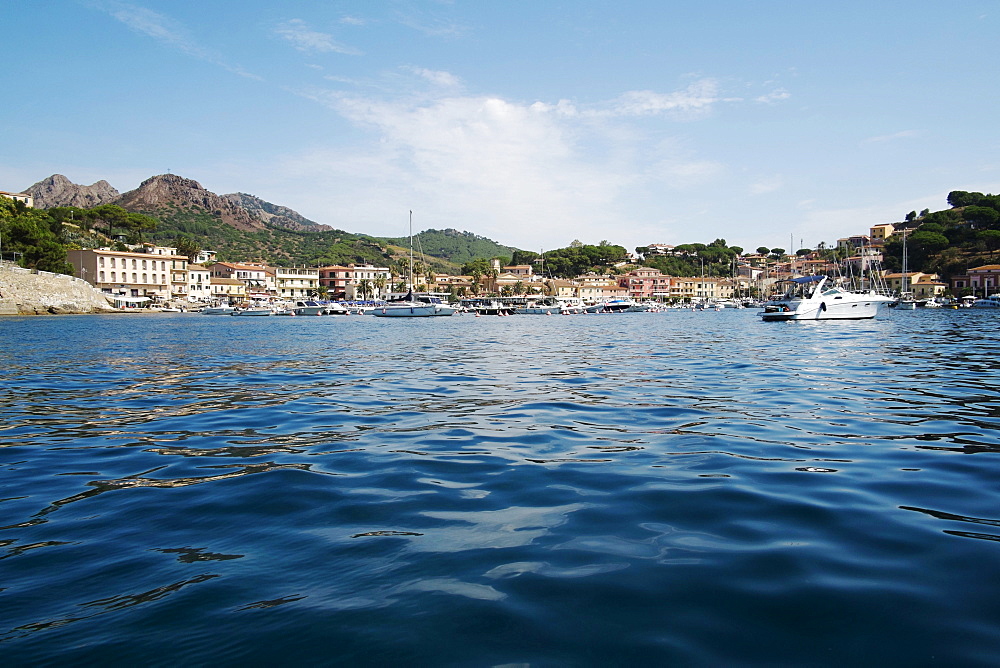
[950,241]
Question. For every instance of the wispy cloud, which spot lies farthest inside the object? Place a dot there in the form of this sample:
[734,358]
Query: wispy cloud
[776,95]
[436,77]
[695,100]
[305,39]
[766,185]
[166,30]
[905,134]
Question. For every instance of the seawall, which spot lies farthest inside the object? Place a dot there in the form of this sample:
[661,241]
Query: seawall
[26,292]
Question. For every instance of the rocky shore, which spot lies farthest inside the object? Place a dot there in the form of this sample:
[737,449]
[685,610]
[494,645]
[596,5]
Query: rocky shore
[24,292]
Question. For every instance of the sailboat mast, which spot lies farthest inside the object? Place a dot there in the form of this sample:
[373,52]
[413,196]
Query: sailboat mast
[411,250]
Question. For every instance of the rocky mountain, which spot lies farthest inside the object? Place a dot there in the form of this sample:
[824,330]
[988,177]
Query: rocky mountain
[273,214]
[168,195]
[57,190]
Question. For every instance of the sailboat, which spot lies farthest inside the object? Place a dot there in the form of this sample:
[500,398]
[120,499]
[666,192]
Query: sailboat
[906,300]
[411,306]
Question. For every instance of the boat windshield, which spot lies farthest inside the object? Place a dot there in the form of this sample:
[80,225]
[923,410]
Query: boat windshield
[802,287]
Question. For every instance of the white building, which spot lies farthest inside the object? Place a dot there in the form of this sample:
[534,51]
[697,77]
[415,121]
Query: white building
[199,283]
[295,282]
[126,273]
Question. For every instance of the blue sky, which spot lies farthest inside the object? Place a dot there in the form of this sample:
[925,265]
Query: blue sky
[533,123]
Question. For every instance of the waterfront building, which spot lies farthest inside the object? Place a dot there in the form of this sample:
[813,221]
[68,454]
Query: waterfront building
[295,282]
[895,281]
[229,290]
[126,273]
[645,283]
[342,282]
[254,276]
[984,280]
[199,283]
[595,288]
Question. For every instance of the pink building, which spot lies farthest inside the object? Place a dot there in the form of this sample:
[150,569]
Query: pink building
[646,283]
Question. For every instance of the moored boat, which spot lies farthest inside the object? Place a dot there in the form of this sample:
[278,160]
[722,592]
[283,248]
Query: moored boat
[253,311]
[993,301]
[816,298]
[221,309]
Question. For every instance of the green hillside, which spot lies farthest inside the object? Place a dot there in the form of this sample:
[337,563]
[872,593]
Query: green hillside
[453,246]
[274,245]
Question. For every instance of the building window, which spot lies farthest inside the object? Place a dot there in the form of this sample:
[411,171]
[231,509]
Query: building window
[112,277]
[112,263]
[100,277]
[134,278]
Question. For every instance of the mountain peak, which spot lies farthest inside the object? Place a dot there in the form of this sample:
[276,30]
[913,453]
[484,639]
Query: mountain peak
[57,190]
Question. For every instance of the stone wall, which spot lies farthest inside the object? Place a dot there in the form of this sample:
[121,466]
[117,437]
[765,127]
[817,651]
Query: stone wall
[24,292]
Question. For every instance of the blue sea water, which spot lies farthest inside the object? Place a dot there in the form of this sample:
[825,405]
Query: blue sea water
[636,489]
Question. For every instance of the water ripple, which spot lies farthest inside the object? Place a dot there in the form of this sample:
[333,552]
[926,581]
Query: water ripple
[689,488]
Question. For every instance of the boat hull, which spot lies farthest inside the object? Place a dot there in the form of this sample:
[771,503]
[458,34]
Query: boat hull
[413,310]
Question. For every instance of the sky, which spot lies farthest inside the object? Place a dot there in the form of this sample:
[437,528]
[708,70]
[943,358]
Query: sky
[530,122]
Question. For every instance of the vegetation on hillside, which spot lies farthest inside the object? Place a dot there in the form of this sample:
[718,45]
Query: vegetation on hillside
[37,238]
[714,259]
[951,241]
[451,245]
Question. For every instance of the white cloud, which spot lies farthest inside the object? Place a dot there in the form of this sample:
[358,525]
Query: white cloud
[304,39]
[521,173]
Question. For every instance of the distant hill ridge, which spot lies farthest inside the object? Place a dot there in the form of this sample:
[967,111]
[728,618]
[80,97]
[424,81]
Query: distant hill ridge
[164,192]
[241,226]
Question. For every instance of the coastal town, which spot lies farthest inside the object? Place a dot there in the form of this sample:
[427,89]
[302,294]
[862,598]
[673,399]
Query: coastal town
[158,277]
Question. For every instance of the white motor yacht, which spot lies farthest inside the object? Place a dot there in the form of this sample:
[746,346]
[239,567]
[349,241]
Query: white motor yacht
[816,298]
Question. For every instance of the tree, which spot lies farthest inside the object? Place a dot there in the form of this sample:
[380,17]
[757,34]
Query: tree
[763,250]
[981,216]
[112,216]
[380,283]
[29,233]
[803,251]
[365,288]
[911,216]
[187,247]
[137,223]
[778,252]
[990,239]
[523,257]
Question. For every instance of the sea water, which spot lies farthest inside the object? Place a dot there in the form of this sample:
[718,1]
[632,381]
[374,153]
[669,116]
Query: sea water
[670,488]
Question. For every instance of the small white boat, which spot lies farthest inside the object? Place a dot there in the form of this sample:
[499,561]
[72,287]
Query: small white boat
[309,307]
[539,308]
[993,301]
[222,309]
[810,298]
[614,305]
[254,311]
[420,306]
